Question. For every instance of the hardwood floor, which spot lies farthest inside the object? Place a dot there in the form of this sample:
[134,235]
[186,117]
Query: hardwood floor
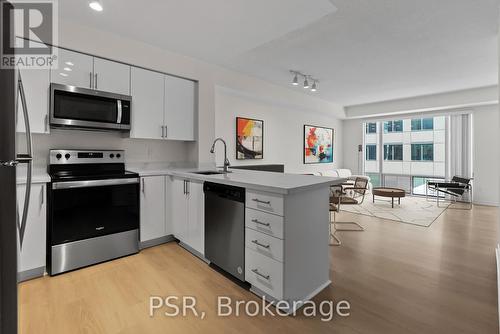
[398,278]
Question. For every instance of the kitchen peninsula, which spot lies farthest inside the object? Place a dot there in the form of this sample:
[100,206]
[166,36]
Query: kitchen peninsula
[286,253]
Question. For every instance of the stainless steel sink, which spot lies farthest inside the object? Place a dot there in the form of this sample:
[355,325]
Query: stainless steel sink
[209,172]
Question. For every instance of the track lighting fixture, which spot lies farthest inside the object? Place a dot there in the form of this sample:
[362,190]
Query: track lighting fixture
[307,80]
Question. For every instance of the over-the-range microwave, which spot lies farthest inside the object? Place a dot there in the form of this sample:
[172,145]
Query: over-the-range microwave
[88,109]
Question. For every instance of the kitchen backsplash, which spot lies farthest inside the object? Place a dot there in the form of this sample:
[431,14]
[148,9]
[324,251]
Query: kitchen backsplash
[136,150]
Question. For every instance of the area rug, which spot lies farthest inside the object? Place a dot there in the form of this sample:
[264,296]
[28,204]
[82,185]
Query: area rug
[413,210]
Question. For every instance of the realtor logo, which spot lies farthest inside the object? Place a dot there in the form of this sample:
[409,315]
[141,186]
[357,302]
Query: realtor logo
[28,31]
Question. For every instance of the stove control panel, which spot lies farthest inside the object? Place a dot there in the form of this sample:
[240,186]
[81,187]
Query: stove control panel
[59,157]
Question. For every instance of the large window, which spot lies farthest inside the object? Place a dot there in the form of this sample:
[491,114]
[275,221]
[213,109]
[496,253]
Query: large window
[393,126]
[374,179]
[422,124]
[419,185]
[371,127]
[393,152]
[422,152]
[371,152]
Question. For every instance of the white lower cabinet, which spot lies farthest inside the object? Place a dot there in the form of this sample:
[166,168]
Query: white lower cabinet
[32,256]
[153,208]
[188,213]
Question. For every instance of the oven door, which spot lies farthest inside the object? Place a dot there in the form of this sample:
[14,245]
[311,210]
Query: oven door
[85,209]
[88,108]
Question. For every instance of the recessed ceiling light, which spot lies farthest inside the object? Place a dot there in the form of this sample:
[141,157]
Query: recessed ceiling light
[63,74]
[68,69]
[96,5]
[69,63]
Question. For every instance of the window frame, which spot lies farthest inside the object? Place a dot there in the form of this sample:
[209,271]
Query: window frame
[366,152]
[421,124]
[367,127]
[393,145]
[421,153]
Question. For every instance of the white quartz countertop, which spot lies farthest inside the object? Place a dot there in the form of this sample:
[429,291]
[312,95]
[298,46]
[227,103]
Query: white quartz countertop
[281,183]
[39,175]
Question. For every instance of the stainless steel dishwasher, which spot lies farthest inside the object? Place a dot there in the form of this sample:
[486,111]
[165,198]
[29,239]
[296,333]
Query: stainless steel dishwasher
[225,227]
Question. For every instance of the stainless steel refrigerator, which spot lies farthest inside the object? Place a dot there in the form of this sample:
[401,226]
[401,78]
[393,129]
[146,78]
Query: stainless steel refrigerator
[12,222]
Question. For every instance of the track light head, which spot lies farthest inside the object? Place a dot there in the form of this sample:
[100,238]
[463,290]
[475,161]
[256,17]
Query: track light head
[295,81]
[306,83]
[314,87]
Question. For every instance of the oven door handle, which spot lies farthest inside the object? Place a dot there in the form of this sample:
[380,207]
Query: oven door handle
[92,183]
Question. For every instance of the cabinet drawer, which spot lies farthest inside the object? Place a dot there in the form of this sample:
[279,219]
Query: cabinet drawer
[264,244]
[264,273]
[265,201]
[264,222]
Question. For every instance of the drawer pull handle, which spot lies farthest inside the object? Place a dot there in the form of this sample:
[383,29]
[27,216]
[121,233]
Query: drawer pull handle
[255,271]
[256,221]
[261,202]
[261,245]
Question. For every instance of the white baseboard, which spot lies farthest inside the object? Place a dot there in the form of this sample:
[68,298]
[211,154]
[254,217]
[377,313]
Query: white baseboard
[486,203]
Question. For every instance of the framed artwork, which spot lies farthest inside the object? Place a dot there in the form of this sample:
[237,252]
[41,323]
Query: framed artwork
[318,144]
[249,138]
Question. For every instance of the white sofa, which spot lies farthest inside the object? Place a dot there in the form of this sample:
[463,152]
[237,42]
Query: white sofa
[342,172]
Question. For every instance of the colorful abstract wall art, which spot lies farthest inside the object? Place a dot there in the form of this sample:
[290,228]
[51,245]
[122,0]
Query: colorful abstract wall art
[249,138]
[318,144]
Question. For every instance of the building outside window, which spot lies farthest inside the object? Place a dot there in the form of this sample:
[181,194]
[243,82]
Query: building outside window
[420,124]
[422,152]
[371,152]
[409,151]
[393,126]
[371,127]
[393,152]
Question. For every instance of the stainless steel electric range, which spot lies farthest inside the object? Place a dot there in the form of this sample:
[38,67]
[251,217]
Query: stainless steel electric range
[93,209]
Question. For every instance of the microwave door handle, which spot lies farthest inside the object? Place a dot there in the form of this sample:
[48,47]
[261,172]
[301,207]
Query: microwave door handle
[119,116]
[25,158]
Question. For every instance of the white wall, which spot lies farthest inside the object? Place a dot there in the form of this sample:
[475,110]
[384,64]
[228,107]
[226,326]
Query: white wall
[486,162]
[283,129]
[113,46]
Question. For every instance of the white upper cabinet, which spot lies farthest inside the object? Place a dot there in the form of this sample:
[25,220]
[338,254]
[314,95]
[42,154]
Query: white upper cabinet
[110,76]
[74,69]
[180,108]
[36,90]
[147,89]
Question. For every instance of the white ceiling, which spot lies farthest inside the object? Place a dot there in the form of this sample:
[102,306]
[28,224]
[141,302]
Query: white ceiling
[361,50]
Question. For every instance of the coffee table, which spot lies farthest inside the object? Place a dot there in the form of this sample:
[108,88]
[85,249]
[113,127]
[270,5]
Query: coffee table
[389,193]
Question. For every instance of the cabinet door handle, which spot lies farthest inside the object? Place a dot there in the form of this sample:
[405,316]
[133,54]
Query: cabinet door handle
[256,221]
[255,271]
[166,131]
[91,83]
[261,201]
[261,245]
[184,187]
[162,131]
[143,186]
[42,196]
[95,83]
[188,184]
